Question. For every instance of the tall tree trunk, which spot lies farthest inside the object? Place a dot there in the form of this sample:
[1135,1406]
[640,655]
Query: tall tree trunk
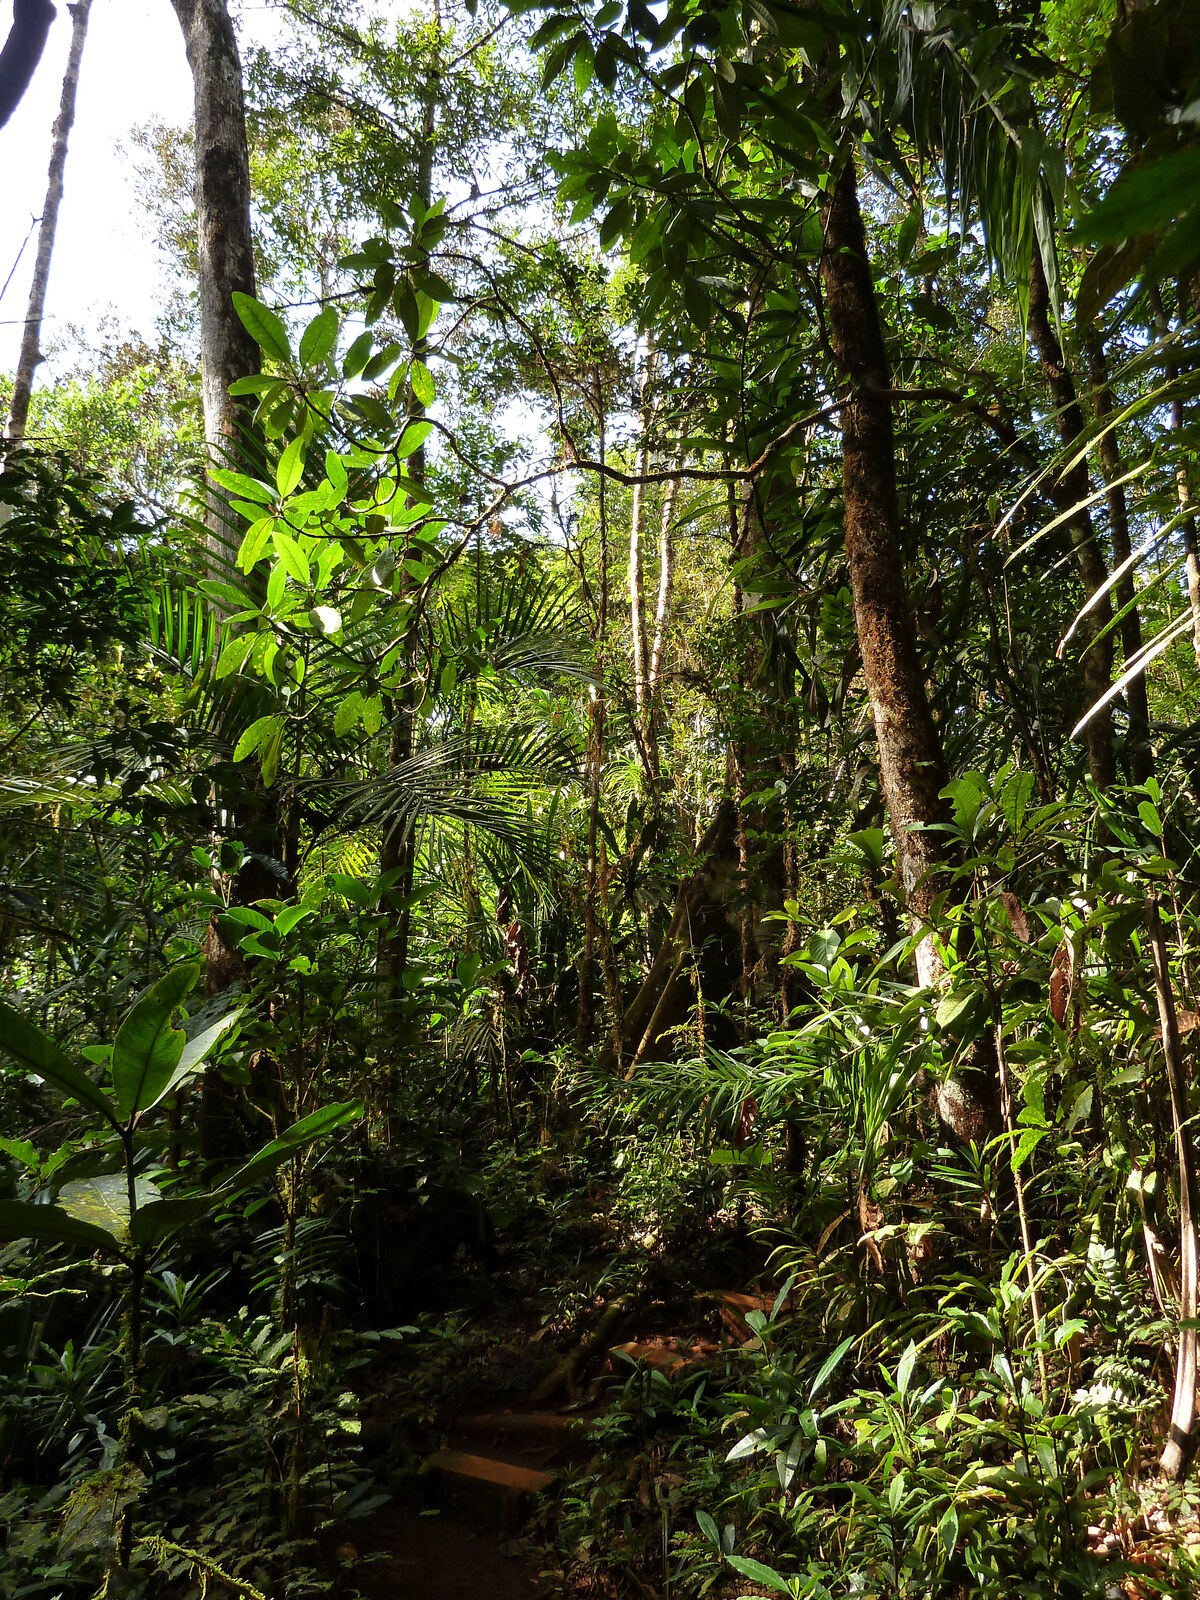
[1070,493]
[1178,1448]
[595,759]
[637,592]
[22,51]
[912,767]
[227,353]
[1191,546]
[31,350]
[398,849]
[1141,754]
[226,245]
[662,612]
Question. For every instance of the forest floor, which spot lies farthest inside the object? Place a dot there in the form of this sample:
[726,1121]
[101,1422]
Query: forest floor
[528,1408]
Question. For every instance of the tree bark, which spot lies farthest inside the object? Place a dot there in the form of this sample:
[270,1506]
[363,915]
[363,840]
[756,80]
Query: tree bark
[637,592]
[1191,545]
[701,943]
[31,351]
[398,850]
[22,51]
[1177,1451]
[226,245]
[912,767]
[1070,493]
[662,610]
[1141,753]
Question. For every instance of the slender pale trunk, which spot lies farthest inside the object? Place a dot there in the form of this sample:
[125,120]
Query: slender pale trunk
[398,849]
[31,342]
[662,612]
[912,768]
[1191,545]
[226,244]
[1177,1451]
[1070,494]
[1141,753]
[596,713]
[637,593]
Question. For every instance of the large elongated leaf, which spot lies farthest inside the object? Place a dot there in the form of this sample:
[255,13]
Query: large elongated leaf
[52,1225]
[103,1202]
[38,1053]
[195,1052]
[317,1125]
[147,1048]
[161,1218]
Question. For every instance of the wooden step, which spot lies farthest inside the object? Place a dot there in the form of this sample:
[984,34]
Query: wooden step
[532,1425]
[668,1354]
[505,1476]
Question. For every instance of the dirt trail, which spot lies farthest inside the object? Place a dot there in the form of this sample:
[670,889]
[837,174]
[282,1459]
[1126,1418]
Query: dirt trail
[445,1555]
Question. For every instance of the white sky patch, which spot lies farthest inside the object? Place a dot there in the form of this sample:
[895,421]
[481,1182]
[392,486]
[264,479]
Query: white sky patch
[105,261]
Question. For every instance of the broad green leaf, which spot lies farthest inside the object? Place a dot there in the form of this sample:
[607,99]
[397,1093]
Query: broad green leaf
[318,1125]
[148,1048]
[348,713]
[358,355]
[757,1572]
[749,1444]
[158,1220]
[246,488]
[290,916]
[21,1150]
[263,326]
[828,1367]
[103,1202]
[414,437]
[421,382]
[196,1051]
[255,736]
[291,465]
[52,1225]
[372,714]
[708,1528]
[36,1052]
[904,1371]
[948,1531]
[295,562]
[319,338]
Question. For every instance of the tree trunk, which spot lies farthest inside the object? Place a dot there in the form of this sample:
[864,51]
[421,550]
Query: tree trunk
[1191,545]
[700,954]
[912,767]
[637,593]
[398,850]
[1141,754]
[1178,1448]
[595,756]
[1070,493]
[22,51]
[662,611]
[226,246]
[31,351]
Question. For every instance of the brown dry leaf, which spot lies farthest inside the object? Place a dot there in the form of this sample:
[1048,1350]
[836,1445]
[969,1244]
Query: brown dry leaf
[870,1216]
[1015,913]
[1188,1021]
[746,1123]
[1061,983]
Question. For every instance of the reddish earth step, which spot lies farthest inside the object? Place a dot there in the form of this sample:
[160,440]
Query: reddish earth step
[522,1424]
[485,1471]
